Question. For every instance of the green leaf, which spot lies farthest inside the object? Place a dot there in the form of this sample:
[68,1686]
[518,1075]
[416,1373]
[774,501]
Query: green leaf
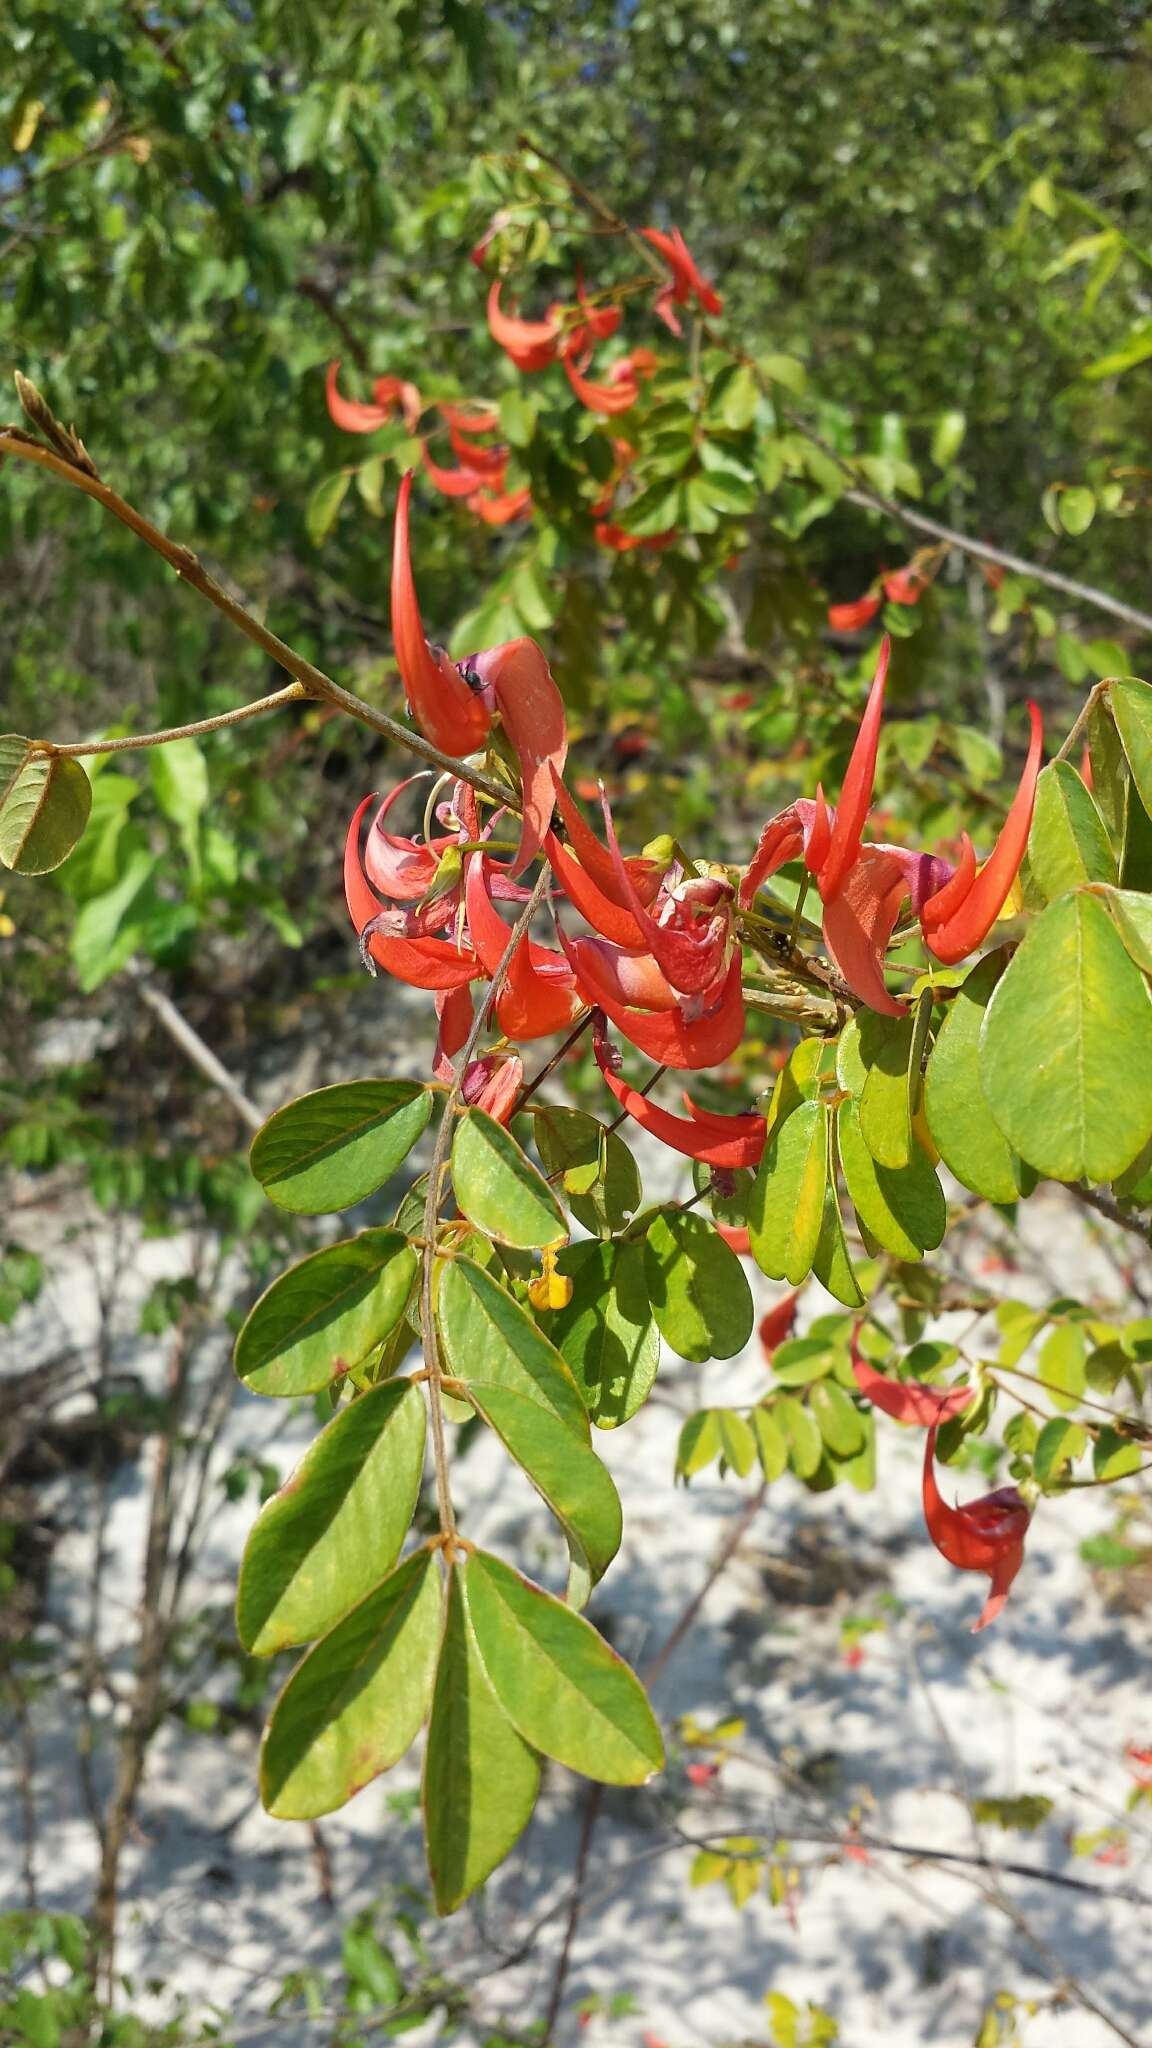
[1068,842]
[565,1692]
[491,1341]
[1066,1049]
[330,1149]
[969,1142]
[831,1262]
[1061,1364]
[1132,912]
[1114,1456]
[180,781]
[108,927]
[356,1702]
[1131,702]
[607,1332]
[498,1188]
[902,1207]
[885,1103]
[335,1528]
[1077,508]
[838,1419]
[697,1287]
[739,398]
[737,1442]
[771,1443]
[1136,349]
[1058,1445]
[324,504]
[326,1314]
[519,413]
[601,1180]
[480,1778]
[801,1434]
[786,1206]
[567,1475]
[44,804]
[699,1442]
[947,438]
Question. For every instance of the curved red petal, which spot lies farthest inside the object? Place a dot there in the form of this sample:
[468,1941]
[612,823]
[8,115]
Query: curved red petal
[705,1042]
[600,912]
[520,337]
[848,618]
[602,398]
[539,993]
[596,860]
[500,511]
[444,707]
[451,483]
[691,964]
[859,922]
[484,461]
[347,413]
[904,1400]
[856,794]
[684,1135]
[986,1536]
[423,962]
[533,713]
[778,1323]
[940,907]
[397,867]
[971,923]
[469,420]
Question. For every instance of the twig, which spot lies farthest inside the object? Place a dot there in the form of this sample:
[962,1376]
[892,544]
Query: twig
[529,1090]
[14,442]
[75,750]
[432,1206]
[1108,1207]
[593,1801]
[194,1048]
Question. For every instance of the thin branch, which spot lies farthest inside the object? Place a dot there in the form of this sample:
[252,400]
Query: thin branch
[653,1666]
[432,1206]
[76,750]
[14,442]
[1108,1207]
[193,1047]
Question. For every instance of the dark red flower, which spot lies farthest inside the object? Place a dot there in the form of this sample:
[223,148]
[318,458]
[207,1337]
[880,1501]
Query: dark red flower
[985,1536]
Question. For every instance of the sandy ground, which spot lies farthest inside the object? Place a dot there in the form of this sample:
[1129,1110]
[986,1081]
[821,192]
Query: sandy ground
[220,1901]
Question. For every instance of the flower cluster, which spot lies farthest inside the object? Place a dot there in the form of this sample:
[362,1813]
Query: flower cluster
[659,957]
[568,335]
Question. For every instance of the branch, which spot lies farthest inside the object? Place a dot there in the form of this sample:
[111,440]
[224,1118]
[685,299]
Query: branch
[432,1206]
[14,442]
[193,1047]
[1107,1206]
[293,693]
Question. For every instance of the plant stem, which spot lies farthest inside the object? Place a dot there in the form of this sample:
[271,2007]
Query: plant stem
[313,680]
[432,1206]
[76,750]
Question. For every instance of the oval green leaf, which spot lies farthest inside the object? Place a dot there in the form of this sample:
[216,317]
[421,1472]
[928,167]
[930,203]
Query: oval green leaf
[326,1314]
[697,1287]
[44,804]
[498,1188]
[1066,1049]
[886,1052]
[786,1206]
[335,1528]
[566,1473]
[489,1340]
[902,1207]
[838,1419]
[564,1691]
[480,1777]
[607,1333]
[334,1147]
[969,1142]
[600,1178]
[355,1704]
[1131,702]
[1068,843]
[801,1434]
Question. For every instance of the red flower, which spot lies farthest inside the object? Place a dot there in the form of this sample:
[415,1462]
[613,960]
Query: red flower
[700,1031]
[532,344]
[493,1082]
[539,994]
[501,510]
[621,543]
[453,703]
[687,283]
[741,1145]
[489,462]
[985,1536]
[959,916]
[614,397]
[905,586]
[778,1323]
[864,886]
[356,418]
[848,618]
[421,960]
[469,419]
[457,483]
[906,1400]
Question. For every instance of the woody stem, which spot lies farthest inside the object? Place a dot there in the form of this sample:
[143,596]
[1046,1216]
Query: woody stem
[436,1171]
[292,693]
[313,681]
